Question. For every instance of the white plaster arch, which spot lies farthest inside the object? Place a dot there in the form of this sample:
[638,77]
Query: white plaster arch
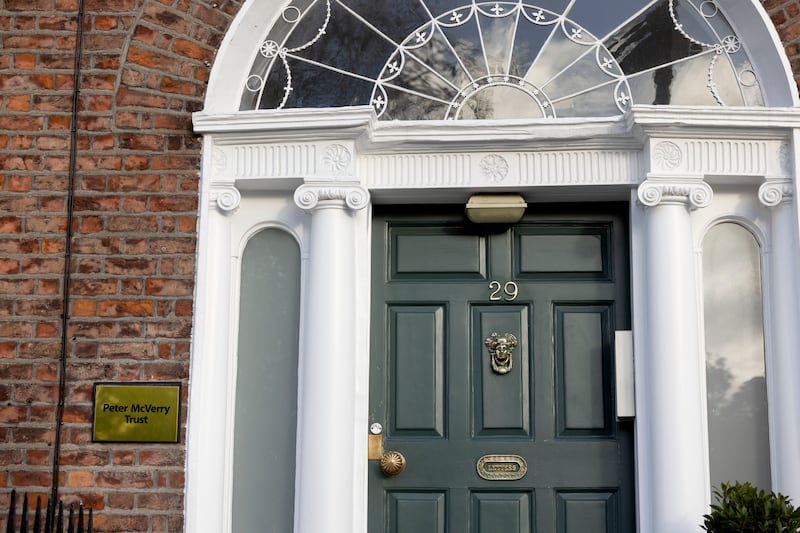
[750,217]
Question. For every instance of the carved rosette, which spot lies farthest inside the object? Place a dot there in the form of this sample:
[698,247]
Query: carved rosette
[494,168]
[667,156]
[310,196]
[773,193]
[697,194]
[227,199]
[336,159]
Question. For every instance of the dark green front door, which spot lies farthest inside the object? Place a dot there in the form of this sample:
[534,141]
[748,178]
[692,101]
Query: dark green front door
[558,283]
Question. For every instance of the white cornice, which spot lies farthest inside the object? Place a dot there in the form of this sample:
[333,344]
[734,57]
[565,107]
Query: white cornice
[718,122]
[360,124]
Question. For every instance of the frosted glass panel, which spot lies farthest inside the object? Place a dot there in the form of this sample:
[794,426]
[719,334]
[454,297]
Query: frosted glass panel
[266,385]
[736,380]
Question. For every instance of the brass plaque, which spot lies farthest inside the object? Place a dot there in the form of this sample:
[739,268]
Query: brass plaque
[136,412]
[502,467]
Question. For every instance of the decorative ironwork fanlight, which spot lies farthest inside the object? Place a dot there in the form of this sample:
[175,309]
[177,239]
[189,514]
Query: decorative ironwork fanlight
[448,59]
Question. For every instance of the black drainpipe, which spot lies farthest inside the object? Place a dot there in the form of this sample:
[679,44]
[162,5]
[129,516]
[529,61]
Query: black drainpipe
[73,156]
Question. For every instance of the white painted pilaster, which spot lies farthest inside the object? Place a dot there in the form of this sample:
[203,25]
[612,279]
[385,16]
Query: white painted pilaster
[672,474]
[325,500]
[209,390]
[783,341]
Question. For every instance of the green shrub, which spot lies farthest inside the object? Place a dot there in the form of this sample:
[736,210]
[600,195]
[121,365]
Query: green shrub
[743,508]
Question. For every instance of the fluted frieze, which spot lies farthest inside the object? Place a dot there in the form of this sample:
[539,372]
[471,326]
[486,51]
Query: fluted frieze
[775,192]
[719,157]
[310,196]
[653,192]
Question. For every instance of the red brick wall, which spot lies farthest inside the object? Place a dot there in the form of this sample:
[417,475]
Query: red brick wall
[144,71]
[785,15]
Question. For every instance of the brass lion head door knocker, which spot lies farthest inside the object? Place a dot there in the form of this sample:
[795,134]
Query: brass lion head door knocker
[501,347]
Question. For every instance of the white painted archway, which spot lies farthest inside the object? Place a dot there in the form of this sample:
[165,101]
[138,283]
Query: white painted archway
[316,171]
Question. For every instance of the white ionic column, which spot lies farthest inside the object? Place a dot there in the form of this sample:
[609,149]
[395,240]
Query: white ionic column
[672,478]
[325,469]
[783,338]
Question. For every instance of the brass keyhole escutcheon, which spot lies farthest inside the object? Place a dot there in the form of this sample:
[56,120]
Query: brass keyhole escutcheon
[393,464]
[501,348]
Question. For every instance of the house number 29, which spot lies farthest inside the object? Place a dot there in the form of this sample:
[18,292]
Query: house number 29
[507,292]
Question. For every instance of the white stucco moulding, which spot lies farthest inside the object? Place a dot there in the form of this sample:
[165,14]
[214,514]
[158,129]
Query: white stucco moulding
[290,147]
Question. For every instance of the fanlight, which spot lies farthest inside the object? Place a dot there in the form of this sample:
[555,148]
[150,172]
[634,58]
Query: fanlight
[449,59]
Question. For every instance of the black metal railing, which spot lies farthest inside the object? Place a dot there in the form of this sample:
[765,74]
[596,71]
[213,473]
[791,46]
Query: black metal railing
[53,520]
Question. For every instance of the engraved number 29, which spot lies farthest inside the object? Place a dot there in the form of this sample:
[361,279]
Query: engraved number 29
[507,292]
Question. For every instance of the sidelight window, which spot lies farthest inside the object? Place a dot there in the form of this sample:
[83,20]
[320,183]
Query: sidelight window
[738,428]
[266,390]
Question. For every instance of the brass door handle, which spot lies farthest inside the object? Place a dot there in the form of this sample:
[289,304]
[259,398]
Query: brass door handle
[392,464]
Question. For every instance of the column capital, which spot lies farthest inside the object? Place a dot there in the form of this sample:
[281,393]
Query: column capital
[310,196]
[774,192]
[226,197]
[695,193]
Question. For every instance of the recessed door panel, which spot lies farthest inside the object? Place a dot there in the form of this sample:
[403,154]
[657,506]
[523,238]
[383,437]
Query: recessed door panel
[416,336]
[506,512]
[563,251]
[583,363]
[502,401]
[581,512]
[436,252]
[417,512]
[496,444]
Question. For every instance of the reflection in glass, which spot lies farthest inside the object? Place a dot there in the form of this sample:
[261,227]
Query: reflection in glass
[738,429]
[435,59]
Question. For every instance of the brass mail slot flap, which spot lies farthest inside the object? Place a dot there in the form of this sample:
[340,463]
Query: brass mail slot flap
[136,412]
[502,467]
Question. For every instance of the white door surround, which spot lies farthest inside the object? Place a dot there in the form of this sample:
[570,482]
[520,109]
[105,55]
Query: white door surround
[315,173]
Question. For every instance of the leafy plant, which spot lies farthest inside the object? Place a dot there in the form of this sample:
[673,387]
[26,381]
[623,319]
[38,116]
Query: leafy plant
[743,508]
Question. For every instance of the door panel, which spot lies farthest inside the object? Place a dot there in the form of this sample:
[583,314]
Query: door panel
[416,335]
[444,406]
[583,368]
[419,252]
[502,403]
[507,512]
[417,512]
[563,251]
[581,512]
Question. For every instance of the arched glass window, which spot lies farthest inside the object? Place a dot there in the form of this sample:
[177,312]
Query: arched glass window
[265,422]
[738,428]
[461,59]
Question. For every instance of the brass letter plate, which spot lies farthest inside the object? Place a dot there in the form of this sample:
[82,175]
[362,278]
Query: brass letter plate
[502,467]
